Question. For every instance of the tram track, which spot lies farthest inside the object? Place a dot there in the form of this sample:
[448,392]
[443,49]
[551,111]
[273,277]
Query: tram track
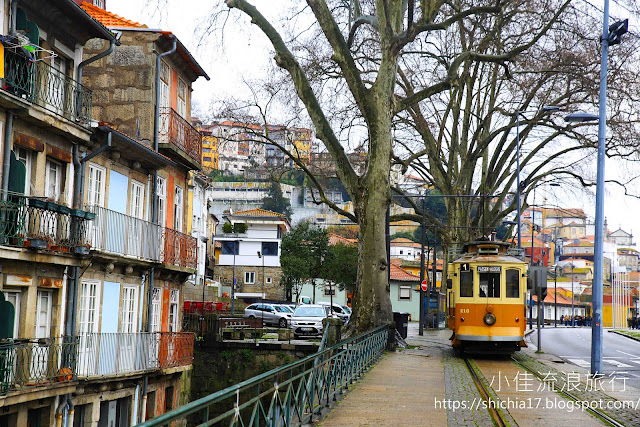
[593,411]
[484,393]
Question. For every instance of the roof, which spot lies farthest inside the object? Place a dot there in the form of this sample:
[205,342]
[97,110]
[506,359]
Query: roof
[335,239]
[566,213]
[239,124]
[109,19]
[257,212]
[561,299]
[401,241]
[400,275]
[134,149]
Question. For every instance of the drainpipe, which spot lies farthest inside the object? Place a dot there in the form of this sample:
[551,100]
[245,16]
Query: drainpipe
[14,13]
[101,55]
[60,410]
[154,208]
[6,164]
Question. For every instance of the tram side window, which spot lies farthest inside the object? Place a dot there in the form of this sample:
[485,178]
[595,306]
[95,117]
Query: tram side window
[513,284]
[490,285]
[466,284]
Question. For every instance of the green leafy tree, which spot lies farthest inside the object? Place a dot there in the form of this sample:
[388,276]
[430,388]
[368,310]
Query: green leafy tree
[340,266]
[302,252]
[274,201]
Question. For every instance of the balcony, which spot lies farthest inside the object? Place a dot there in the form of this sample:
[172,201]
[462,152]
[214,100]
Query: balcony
[29,363]
[43,85]
[34,223]
[178,137]
[113,354]
[180,249]
[116,233]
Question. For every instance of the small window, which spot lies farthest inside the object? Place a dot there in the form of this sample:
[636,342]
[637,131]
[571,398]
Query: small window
[404,293]
[270,248]
[268,280]
[466,284]
[249,277]
[230,247]
[489,285]
[513,285]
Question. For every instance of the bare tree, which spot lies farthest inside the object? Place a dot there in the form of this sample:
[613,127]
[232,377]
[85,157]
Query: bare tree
[433,86]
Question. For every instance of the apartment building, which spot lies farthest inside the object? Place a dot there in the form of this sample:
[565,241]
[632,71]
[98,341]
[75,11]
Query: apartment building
[136,177]
[46,121]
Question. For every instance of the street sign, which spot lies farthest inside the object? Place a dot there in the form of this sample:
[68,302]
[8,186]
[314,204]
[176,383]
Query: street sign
[424,285]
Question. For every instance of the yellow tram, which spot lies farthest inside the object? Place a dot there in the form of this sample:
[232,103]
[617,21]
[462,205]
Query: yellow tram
[486,298]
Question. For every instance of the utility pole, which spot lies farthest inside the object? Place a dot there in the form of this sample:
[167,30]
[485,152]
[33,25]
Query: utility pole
[421,305]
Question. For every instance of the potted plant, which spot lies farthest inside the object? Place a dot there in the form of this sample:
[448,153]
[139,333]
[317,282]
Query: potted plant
[40,242]
[78,213]
[227,228]
[82,250]
[35,202]
[240,227]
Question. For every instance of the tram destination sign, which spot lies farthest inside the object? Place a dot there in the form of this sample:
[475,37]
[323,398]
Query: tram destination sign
[489,269]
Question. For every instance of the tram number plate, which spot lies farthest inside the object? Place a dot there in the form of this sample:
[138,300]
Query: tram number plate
[489,269]
[464,310]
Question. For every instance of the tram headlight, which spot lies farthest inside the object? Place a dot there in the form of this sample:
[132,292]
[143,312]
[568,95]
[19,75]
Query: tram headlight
[489,319]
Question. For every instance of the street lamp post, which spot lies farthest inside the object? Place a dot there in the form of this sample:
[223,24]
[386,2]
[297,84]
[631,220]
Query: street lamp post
[572,295]
[555,296]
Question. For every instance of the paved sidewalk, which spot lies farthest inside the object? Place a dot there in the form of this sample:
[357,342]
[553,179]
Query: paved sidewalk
[399,390]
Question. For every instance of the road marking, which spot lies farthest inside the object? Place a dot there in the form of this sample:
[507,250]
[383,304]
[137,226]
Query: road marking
[617,363]
[635,361]
[580,362]
[628,354]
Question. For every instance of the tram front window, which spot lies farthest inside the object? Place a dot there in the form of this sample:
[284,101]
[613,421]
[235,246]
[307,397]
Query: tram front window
[490,285]
[513,284]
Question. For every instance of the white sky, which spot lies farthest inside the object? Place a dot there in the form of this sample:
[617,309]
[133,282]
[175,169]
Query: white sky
[248,55]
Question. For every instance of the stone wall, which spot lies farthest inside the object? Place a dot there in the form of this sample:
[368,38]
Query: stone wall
[273,290]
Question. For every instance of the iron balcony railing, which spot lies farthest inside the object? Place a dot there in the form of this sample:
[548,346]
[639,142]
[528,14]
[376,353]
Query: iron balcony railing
[43,85]
[180,249]
[176,130]
[38,224]
[113,354]
[118,233]
[291,395]
[28,363]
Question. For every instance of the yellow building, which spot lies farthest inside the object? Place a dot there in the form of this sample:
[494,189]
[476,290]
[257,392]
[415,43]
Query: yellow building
[209,151]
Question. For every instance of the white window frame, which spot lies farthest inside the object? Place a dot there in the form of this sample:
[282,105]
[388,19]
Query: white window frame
[156,305]
[14,298]
[96,185]
[174,301]
[161,194]
[268,280]
[89,306]
[249,277]
[129,311]
[406,291]
[181,102]
[136,201]
[165,84]
[178,202]
[57,184]
[44,303]
[25,156]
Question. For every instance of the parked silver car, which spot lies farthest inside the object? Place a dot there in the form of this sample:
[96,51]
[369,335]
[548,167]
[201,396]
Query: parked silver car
[307,319]
[272,314]
[338,311]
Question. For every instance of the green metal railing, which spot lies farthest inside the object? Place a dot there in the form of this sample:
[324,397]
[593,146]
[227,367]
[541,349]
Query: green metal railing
[36,362]
[288,396]
[43,85]
[38,224]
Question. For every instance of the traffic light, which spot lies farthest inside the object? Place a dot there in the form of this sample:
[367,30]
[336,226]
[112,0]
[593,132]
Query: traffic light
[538,277]
[616,30]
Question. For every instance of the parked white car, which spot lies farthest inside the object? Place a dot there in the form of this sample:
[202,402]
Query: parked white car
[338,311]
[272,314]
[307,319]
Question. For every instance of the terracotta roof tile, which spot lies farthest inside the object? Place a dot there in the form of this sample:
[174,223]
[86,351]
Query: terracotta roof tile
[335,239]
[109,19]
[258,212]
[400,275]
